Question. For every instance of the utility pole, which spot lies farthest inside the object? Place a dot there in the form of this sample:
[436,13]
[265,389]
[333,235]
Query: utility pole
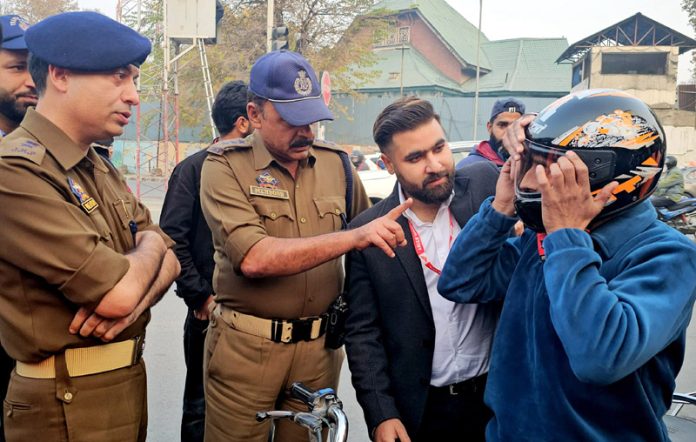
[478,69]
[269,25]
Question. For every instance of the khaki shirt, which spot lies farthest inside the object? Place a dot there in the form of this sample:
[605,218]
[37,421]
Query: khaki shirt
[246,196]
[65,228]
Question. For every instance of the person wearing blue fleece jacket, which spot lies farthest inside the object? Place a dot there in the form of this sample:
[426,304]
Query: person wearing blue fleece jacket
[597,294]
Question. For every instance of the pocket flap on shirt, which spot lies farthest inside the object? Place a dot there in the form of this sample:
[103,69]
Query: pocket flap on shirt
[334,205]
[273,209]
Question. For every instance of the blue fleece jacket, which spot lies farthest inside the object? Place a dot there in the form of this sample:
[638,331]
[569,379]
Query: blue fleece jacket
[591,339]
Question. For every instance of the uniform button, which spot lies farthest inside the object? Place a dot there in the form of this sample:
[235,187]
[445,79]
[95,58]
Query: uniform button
[303,220]
[338,211]
[68,396]
[274,215]
[297,186]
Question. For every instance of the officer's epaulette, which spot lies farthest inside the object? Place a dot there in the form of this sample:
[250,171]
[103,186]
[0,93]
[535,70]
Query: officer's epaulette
[221,147]
[326,145]
[22,148]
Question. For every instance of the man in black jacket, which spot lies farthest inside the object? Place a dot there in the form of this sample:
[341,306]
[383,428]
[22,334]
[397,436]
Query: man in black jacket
[419,362]
[183,221]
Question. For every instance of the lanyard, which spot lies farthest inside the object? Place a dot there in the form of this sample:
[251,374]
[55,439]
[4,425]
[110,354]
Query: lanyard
[418,244]
[540,245]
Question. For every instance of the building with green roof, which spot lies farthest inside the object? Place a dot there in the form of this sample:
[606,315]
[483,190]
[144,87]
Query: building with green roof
[430,50]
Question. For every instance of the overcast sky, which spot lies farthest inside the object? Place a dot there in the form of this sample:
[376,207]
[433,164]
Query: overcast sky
[543,18]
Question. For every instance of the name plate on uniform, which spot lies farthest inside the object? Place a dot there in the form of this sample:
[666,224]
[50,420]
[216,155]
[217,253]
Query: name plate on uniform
[269,193]
[89,205]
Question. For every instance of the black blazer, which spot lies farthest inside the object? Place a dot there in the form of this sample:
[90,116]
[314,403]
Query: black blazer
[390,330]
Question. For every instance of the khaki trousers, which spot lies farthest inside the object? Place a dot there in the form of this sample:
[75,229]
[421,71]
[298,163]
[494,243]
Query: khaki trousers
[105,407]
[244,374]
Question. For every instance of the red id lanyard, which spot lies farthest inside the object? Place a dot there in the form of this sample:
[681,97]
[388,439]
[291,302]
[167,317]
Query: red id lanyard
[540,245]
[418,244]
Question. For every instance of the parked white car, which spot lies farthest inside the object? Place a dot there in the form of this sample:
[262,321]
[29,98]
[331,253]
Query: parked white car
[378,183]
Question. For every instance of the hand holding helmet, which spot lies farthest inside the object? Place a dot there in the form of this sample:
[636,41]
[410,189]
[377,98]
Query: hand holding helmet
[566,199]
[515,135]
[504,201]
[617,137]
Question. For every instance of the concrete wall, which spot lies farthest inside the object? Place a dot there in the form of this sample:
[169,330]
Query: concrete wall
[681,142]
[680,131]
[659,91]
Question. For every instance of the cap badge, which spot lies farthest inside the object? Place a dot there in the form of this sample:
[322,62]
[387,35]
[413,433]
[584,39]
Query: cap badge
[512,109]
[18,21]
[303,84]
[86,201]
[268,187]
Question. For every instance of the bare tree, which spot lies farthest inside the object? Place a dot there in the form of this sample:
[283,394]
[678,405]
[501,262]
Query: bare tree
[334,35]
[36,10]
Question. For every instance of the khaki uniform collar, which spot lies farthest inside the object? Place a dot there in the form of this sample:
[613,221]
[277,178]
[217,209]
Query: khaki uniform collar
[263,158]
[61,147]
[97,160]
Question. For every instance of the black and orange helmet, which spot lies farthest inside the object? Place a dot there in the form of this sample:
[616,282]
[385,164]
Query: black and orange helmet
[617,136]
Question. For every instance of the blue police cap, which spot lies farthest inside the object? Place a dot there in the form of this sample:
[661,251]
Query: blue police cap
[13,27]
[509,104]
[287,80]
[86,41]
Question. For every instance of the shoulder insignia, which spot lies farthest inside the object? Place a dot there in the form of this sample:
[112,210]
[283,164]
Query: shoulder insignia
[221,147]
[326,145]
[22,148]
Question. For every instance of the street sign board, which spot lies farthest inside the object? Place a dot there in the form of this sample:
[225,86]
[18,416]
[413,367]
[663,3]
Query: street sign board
[326,87]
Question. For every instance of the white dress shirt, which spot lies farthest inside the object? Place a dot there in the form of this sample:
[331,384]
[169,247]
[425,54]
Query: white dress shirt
[463,332]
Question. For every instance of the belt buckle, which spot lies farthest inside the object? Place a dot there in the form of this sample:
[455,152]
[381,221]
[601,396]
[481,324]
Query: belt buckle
[301,329]
[453,390]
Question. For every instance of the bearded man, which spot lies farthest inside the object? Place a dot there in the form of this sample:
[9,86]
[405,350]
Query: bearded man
[419,362]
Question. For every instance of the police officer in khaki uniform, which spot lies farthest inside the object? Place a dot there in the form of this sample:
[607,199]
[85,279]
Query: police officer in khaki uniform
[275,203]
[80,260]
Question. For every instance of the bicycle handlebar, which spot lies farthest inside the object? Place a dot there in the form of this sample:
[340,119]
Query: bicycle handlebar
[300,391]
[322,404]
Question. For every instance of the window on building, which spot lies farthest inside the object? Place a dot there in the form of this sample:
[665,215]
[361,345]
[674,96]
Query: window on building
[396,37]
[405,34]
[577,74]
[643,63]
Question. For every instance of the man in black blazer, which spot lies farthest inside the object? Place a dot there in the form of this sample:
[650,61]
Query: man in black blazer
[418,361]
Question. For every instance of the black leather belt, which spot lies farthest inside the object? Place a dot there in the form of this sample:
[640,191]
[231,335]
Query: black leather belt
[472,385]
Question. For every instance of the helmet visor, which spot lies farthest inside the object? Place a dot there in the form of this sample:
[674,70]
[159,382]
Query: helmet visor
[600,164]
[524,170]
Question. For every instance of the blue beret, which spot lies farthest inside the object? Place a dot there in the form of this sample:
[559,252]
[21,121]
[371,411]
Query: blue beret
[13,27]
[287,80]
[86,41]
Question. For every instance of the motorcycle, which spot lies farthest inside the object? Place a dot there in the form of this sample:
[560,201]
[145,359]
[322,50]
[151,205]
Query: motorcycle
[680,215]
